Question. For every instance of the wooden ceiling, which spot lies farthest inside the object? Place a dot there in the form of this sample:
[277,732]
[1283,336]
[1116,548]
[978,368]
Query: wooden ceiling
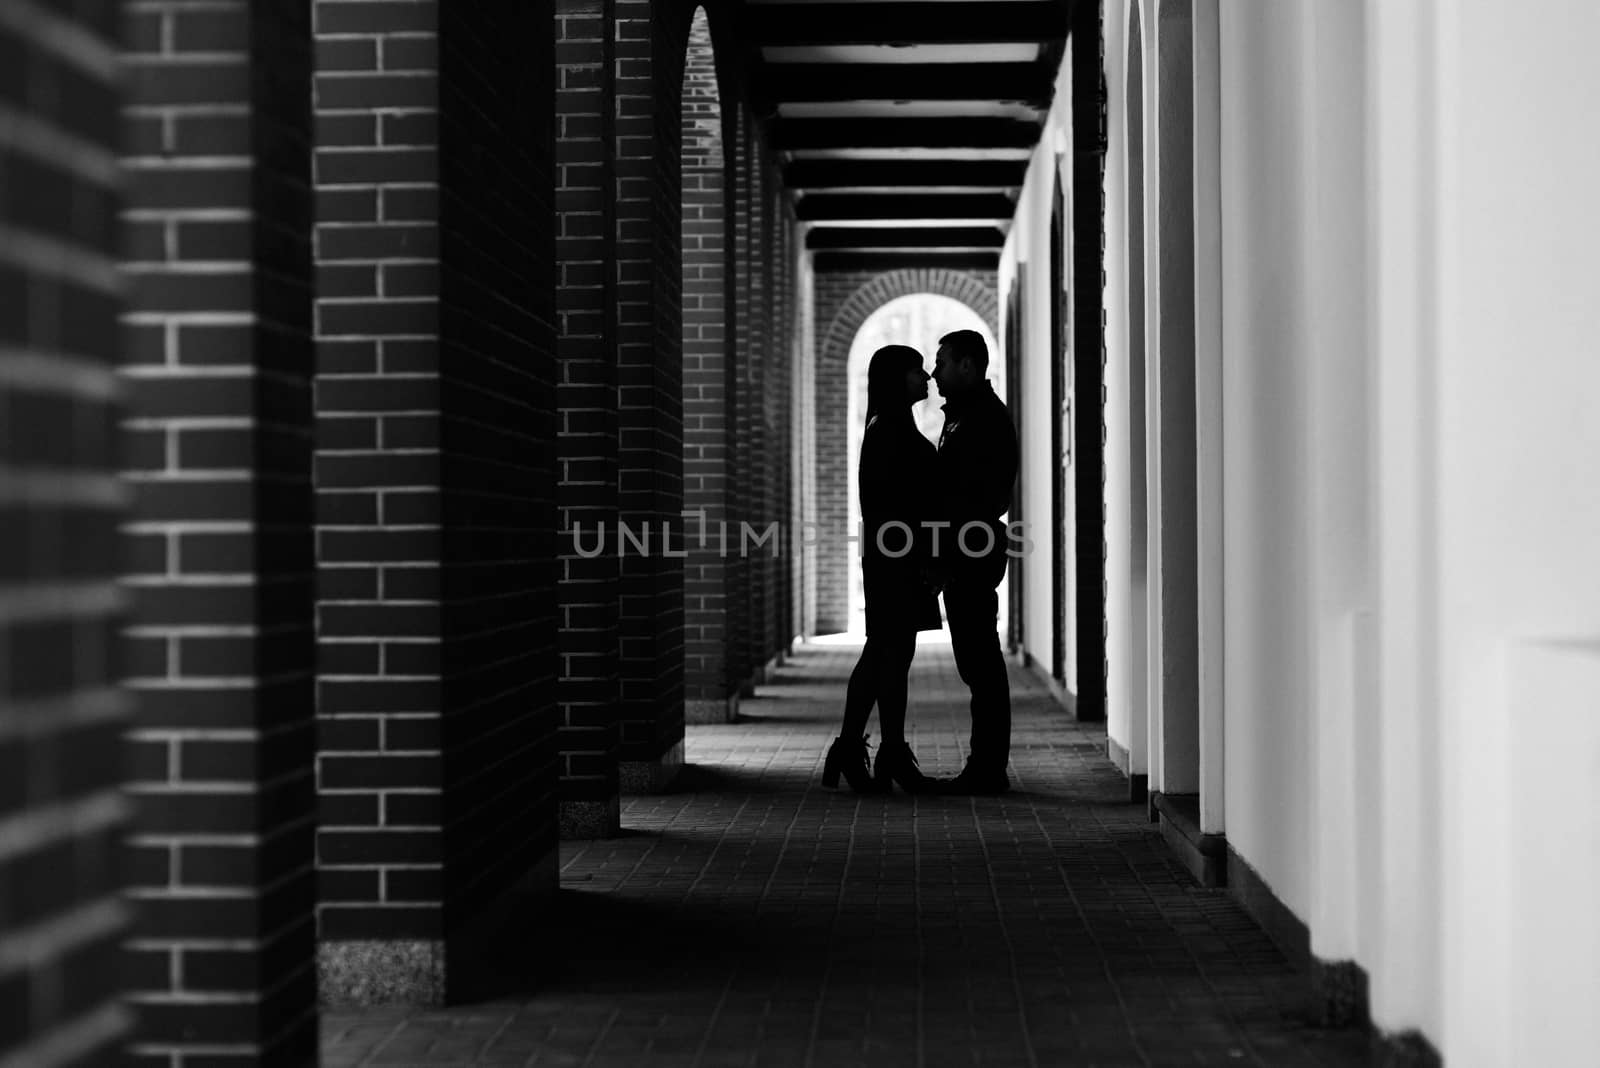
[905,126]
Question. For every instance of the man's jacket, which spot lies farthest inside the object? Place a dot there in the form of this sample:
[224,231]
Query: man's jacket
[977,468]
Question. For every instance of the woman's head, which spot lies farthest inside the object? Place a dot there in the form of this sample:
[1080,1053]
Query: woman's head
[895,380]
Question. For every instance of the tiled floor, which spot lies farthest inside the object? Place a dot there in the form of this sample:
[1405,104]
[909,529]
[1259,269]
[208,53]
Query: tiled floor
[752,918]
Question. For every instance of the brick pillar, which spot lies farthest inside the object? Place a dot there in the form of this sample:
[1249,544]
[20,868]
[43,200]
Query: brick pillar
[787,354]
[590,685]
[220,644]
[649,64]
[709,697]
[61,717]
[738,615]
[753,444]
[498,353]
[435,408]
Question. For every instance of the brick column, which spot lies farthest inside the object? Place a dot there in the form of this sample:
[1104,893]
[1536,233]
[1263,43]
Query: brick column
[590,686]
[61,716]
[787,353]
[739,471]
[709,697]
[220,645]
[753,440]
[435,491]
[649,53]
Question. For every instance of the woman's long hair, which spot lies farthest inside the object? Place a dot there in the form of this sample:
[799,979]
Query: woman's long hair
[886,380]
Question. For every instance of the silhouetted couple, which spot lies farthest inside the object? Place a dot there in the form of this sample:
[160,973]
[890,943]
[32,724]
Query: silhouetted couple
[931,521]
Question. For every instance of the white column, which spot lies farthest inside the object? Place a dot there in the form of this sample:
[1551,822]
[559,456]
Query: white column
[1333,144]
[1402,282]
[1208,406]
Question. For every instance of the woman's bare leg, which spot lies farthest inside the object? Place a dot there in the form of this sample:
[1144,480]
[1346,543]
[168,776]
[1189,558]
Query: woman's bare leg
[861,692]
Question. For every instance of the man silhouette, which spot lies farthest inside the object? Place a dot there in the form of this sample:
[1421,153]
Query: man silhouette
[977,465]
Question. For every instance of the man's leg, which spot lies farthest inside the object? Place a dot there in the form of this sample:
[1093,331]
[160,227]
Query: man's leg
[973,614]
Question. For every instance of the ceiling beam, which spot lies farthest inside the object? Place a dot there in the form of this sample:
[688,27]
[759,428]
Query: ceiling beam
[1024,83]
[865,207]
[906,175]
[800,134]
[990,22]
[946,239]
[890,261]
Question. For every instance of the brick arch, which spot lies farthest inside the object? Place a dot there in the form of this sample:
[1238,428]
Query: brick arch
[844,302]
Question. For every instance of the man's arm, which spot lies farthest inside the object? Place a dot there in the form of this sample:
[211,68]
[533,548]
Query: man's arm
[998,458]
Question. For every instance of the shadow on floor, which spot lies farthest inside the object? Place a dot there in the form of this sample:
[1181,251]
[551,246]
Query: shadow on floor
[715,779]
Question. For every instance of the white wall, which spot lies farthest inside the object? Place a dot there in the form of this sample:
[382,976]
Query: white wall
[1029,243]
[1518,565]
[1410,501]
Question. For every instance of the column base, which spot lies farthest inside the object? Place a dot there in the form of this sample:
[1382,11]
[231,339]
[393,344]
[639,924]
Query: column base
[1408,1049]
[380,972]
[1339,993]
[638,777]
[436,972]
[1205,855]
[591,819]
[760,677]
[712,711]
[1138,782]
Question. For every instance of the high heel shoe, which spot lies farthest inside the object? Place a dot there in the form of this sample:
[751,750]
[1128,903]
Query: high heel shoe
[848,757]
[896,763]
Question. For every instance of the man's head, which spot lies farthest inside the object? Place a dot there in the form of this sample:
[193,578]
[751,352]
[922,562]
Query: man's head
[961,363]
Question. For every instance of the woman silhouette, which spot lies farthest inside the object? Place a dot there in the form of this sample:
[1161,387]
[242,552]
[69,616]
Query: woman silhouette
[897,494]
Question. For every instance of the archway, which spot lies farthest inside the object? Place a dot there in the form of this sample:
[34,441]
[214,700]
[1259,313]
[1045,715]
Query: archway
[844,301]
[918,320]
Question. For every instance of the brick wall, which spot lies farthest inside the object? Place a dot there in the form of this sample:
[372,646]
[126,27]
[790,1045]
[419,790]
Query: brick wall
[844,300]
[220,646]
[705,394]
[435,415]
[621,391]
[60,502]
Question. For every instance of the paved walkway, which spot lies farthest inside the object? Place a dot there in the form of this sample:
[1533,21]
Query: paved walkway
[753,919]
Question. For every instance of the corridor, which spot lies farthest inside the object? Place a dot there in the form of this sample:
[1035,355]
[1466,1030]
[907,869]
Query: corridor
[428,542]
[750,917]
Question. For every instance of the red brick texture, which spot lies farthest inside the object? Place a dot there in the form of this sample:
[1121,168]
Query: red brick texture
[61,715]
[844,301]
[220,646]
[435,465]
